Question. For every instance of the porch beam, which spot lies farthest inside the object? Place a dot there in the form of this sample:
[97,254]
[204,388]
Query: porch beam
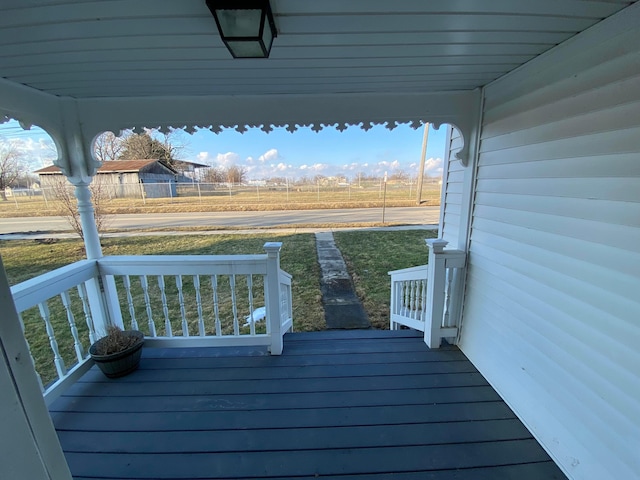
[29,106]
[290,111]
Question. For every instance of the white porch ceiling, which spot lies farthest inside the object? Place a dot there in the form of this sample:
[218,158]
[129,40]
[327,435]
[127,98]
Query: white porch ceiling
[149,48]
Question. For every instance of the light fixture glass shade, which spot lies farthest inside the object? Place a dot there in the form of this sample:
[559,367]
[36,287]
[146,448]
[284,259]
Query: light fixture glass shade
[244,49]
[240,23]
[246,27]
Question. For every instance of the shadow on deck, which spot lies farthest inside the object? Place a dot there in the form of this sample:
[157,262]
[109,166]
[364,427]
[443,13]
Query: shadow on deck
[343,405]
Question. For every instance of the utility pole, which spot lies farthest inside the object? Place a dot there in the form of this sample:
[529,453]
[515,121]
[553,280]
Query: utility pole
[425,139]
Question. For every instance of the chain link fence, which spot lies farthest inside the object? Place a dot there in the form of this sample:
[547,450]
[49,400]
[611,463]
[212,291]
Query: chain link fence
[242,195]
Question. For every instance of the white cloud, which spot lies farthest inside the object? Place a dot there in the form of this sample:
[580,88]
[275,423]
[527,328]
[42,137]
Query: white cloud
[269,156]
[204,157]
[227,159]
[36,151]
[316,167]
[433,167]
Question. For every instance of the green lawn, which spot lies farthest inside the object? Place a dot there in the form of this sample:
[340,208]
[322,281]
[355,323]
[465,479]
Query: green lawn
[369,256]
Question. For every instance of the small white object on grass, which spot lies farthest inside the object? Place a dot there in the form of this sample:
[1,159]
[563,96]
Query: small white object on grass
[258,315]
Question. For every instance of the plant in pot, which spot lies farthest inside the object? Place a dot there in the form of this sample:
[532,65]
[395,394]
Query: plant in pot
[118,353]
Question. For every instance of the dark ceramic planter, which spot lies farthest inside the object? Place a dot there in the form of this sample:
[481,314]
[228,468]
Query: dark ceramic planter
[119,364]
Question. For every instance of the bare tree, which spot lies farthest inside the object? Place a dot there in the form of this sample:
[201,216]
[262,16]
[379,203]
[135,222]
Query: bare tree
[10,166]
[108,147]
[67,205]
[137,146]
[236,174]
[214,175]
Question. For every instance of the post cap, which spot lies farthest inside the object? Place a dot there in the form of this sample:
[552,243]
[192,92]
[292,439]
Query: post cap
[436,244]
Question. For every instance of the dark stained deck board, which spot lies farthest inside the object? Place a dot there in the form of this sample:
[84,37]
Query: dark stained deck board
[292,400]
[286,418]
[268,372]
[279,386]
[536,470]
[540,470]
[302,438]
[337,404]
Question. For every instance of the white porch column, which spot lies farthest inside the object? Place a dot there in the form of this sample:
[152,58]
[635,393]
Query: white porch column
[78,165]
[274,315]
[29,446]
[87,221]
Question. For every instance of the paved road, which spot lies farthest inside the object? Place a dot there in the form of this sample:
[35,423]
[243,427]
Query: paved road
[405,215]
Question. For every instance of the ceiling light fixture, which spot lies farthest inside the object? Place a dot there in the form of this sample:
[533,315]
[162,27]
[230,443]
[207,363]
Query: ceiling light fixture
[246,26]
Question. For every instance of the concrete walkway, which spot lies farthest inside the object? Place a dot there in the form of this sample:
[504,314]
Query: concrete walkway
[342,307]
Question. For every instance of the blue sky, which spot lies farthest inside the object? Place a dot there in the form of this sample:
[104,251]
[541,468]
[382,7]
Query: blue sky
[284,154]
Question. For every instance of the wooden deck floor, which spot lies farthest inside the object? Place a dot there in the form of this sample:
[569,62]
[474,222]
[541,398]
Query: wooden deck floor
[340,405]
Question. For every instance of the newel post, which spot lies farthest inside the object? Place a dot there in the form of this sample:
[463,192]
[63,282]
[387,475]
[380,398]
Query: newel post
[272,294]
[435,291]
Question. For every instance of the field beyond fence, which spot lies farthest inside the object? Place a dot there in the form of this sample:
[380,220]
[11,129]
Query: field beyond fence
[197,197]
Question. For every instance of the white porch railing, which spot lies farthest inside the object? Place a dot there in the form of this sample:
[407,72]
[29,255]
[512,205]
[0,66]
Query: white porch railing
[176,300]
[427,297]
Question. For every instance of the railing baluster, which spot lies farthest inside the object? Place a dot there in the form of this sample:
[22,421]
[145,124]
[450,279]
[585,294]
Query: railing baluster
[33,361]
[132,310]
[66,302]
[196,284]
[144,283]
[82,292]
[252,323]
[412,300]
[405,292]
[423,297]
[234,305]
[268,324]
[447,296]
[284,303]
[183,314]
[165,308]
[57,359]
[216,304]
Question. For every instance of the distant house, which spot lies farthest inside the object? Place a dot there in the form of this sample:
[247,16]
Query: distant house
[187,171]
[125,178]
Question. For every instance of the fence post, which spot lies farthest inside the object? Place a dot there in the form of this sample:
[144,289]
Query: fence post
[435,292]
[142,195]
[272,294]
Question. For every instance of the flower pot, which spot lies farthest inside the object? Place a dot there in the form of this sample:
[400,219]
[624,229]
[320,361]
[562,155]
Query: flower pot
[121,363]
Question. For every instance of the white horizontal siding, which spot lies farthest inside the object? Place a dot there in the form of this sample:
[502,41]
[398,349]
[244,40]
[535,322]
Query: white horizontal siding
[452,185]
[154,47]
[552,313]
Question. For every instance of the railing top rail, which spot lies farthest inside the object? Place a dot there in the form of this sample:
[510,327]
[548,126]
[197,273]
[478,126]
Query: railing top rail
[285,276]
[418,269]
[183,264]
[36,290]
